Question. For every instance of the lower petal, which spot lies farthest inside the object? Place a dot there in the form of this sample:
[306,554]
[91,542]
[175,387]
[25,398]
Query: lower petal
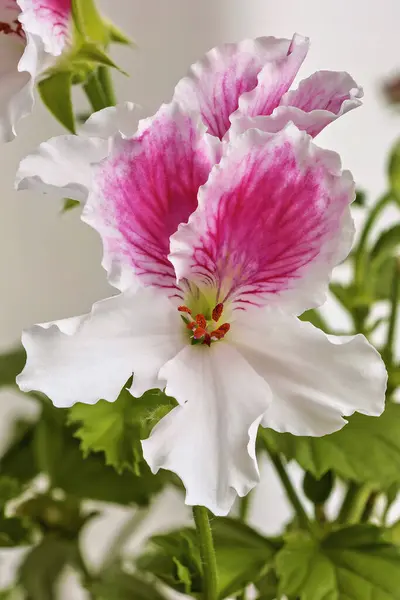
[209,441]
[315,379]
[88,358]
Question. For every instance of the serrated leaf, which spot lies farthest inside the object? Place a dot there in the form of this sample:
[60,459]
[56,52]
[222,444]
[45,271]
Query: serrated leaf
[345,451]
[243,556]
[55,92]
[116,428]
[354,563]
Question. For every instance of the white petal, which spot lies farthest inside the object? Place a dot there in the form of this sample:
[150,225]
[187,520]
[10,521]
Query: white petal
[209,441]
[63,165]
[315,379]
[123,118]
[91,357]
[17,70]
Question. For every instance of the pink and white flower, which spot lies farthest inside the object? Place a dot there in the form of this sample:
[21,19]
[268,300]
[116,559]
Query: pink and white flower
[216,248]
[235,87]
[246,85]
[31,33]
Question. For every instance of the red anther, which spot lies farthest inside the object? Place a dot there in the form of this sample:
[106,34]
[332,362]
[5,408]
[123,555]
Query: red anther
[221,332]
[207,340]
[199,332]
[184,309]
[191,325]
[217,312]
[201,321]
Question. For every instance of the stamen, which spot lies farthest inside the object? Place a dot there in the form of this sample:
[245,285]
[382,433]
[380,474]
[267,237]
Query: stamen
[192,325]
[217,312]
[184,309]
[221,332]
[199,332]
[201,321]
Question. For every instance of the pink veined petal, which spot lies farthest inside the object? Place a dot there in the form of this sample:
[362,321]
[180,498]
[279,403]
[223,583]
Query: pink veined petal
[273,220]
[145,188]
[315,379]
[209,440]
[318,101]
[274,80]
[49,20]
[215,83]
[88,358]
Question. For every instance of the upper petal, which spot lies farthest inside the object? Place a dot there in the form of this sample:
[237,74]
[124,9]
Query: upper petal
[315,379]
[215,83]
[273,220]
[88,358]
[274,80]
[63,165]
[209,441]
[318,101]
[49,20]
[146,187]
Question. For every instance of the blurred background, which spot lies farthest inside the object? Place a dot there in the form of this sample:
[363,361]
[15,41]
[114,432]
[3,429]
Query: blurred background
[50,263]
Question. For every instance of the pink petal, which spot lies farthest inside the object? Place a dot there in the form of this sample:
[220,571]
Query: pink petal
[274,80]
[273,220]
[318,101]
[215,83]
[145,188]
[48,19]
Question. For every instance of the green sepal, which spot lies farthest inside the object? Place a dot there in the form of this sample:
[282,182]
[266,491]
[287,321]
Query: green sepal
[116,35]
[55,92]
[88,21]
[69,204]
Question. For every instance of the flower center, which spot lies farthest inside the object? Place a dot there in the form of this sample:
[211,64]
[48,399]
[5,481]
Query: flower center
[203,331]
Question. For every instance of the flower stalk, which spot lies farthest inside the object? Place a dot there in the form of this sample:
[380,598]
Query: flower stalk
[207,553]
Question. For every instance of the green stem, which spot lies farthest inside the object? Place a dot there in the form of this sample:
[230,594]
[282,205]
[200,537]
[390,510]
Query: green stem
[244,507]
[207,553]
[355,503]
[291,493]
[360,256]
[94,93]
[107,85]
[387,352]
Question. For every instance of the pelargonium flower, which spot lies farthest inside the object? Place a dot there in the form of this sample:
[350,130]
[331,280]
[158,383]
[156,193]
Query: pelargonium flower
[31,32]
[216,248]
[246,84]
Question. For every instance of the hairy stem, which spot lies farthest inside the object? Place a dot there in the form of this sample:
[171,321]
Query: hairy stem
[207,553]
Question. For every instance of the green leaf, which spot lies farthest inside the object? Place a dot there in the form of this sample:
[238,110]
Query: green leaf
[70,203]
[268,586]
[10,488]
[243,556]
[115,584]
[394,170]
[89,22]
[42,567]
[18,460]
[55,92]
[90,52]
[116,35]
[313,317]
[116,428]
[344,451]
[387,243]
[14,532]
[90,478]
[11,364]
[352,564]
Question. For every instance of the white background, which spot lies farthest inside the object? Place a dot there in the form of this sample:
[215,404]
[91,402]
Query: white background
[50,264]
